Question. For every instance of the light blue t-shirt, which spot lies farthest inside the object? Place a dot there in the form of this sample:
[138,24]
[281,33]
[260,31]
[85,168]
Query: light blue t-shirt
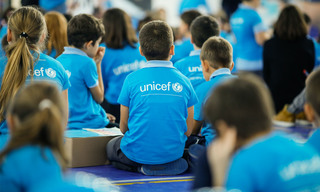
[203,92]
[56,5]
[314,140]
[52,54]
[191,67]
[158,97]
[45,69]
[182,49]
[84,111]
[274,163]
[317,53]
[115,66]
[245,23]
[200,5]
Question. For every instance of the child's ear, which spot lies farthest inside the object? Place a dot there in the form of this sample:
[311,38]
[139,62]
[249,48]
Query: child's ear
[12,122]
[191,39]
[308,110]
[88,44]
[141,51]
[205,65]
[171,50]
[231,66]
[9,35]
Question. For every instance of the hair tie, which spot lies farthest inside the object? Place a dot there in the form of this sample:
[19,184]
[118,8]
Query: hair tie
[24,34]
[45,103]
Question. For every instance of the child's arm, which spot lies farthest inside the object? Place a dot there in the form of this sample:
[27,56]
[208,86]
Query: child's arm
[189,121]
[98,91]
[196,127]
[124,116]
[66,107]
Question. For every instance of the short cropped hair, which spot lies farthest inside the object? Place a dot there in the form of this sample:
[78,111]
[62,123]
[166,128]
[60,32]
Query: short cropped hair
[155,39]
[83,28]
[244,103]
[218,52]
[202,28]
[188,16]
[313,91]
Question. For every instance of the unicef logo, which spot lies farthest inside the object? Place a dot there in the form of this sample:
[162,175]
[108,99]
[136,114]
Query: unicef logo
[51,73]
[68,73]
[177,87]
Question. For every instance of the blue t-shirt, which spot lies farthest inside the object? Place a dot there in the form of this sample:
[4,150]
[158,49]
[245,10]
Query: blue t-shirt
[201,5]
[245,23]
[182,49]
[158,97]
[274,163]
[115,66]
[52,54]
[203,92]
[314,140]
[317,53]
[27,167]
[84,111]
[191,67]
[45,69]
[50,5]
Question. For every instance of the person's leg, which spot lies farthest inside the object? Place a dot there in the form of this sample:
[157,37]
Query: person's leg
[297,105]
[117,158]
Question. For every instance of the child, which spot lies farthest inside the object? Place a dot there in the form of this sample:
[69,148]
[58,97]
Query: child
[24,63]
[82,61]
[121,58]
[250,34]
[35,157]
[247,155]
[312,106]
[57,28]
[216,61]
[201,29]
[183,48]
[156,110]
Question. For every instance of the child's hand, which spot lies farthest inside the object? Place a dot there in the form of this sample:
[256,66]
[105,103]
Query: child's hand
[111,118]
[99,55]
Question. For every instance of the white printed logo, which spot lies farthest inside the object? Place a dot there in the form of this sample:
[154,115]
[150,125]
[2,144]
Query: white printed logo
[177,87]
[51,73]
[68,73]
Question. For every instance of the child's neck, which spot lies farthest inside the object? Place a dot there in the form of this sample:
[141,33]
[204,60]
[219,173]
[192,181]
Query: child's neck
[242,143]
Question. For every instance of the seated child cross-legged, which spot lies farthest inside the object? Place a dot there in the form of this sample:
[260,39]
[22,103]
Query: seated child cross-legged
[82,61]
[156,110]
[247,155]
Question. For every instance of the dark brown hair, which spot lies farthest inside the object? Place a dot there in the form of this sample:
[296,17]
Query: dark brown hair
[290,24]
[188,16]
[118,29]
[313,91]
[202,28]
[244,103]
[156,38]
[83,28]
[218,52]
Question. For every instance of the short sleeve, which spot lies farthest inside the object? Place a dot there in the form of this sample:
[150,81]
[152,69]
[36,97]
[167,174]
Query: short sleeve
[198,107]
[193,97]
[90,74]
[257,23]
[124,97]
[65,80]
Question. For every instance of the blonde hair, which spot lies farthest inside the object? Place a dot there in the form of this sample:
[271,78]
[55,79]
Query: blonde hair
[57,30]
[38,108]
[27,25]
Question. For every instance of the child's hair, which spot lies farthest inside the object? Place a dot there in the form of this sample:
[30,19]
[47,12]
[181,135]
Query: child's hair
[27,26]
[202,28]
[313,91]
[291,24]
[218,52]
[244,103]
[156,38]
[38,109]
[118,29]
[83,28]
[188,16]
[57,31]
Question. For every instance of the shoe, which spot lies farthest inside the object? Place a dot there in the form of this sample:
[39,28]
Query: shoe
[172,168]
[285,115]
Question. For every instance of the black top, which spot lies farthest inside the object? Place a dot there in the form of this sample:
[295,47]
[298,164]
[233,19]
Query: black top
[286,65]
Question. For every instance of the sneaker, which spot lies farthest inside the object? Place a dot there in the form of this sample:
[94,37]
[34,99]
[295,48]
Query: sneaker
[172,168]
[285,115]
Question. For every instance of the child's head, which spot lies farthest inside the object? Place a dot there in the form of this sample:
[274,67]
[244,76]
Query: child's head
[118,29]
[57,30]
[243,103]
[35,116]
[156,40]
[187,17]
[216,53]
[202,28]
[312,106]
[26,33]
[85,32]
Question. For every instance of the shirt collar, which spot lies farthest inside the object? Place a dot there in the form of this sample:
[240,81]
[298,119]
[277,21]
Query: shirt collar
[195,52]
[222,71]
[158,63]
[72,50]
